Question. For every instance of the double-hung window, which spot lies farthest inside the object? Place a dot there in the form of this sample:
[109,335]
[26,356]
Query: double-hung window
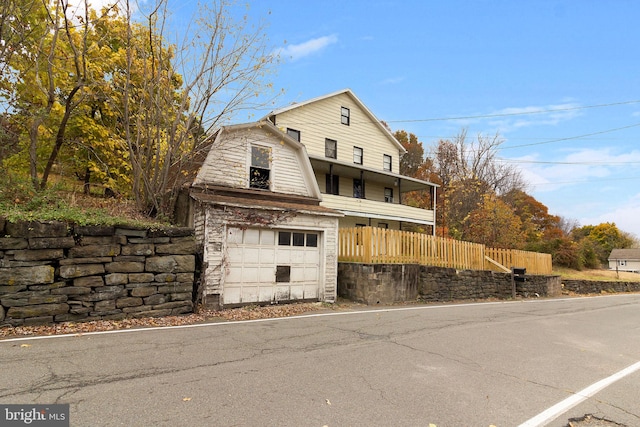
[386,162]
[331,148]
[388,195]
[357,155]
[345,116]
[260,170]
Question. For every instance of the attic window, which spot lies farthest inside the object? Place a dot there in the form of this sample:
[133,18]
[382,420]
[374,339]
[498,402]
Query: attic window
[345,116]
[260,170]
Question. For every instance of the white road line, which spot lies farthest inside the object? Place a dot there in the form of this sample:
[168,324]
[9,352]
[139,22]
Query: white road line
[552,413]
[304,316]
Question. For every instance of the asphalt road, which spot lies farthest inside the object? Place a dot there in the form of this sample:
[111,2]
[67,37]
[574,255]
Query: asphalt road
[498,364]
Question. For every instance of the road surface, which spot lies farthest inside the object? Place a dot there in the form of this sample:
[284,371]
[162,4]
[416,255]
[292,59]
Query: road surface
[502,364]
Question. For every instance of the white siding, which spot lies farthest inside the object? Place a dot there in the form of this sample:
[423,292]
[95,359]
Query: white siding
[229,160]
[319,120]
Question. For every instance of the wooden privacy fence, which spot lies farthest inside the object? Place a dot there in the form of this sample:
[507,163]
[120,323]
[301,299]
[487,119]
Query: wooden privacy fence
[371,245]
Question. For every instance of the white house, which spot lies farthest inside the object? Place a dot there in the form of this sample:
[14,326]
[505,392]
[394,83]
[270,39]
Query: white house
[356,162]
[257,214]
[625,260]
[269,231]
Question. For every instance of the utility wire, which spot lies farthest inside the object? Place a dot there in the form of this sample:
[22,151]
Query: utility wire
[570,137]
[521,113]
[565,163]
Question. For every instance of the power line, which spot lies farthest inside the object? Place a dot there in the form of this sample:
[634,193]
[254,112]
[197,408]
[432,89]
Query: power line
[521,113]
[565,163]
[571,137]
[584,181]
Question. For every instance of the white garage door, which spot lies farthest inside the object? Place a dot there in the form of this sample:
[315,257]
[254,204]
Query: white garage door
[267,265]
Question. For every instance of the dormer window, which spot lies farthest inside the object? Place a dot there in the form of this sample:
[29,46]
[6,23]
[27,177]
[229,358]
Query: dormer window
[345,116]
[260,170]
[295,134]
[386,162]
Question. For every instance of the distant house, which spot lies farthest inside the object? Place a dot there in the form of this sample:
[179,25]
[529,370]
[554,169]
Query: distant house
[356,162]
[625,260]
[256,211]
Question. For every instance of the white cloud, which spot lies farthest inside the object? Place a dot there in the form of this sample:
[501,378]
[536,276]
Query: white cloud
[392,80]
[625,216]
[576,168]
[520,117]
[297,51]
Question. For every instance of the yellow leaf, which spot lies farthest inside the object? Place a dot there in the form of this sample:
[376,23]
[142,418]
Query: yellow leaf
[186,399]
[25,345]
[328,402]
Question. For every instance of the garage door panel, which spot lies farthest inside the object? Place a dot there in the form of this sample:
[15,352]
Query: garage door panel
[267,255]
[268,237]
[311,257]
[282,293]
[251,236]
[297,292]
[283,256]
[235,253]
[311,292]
[267,274]
[234,275]
[250,293]
[251,255]
[266,293]
[232,295]
[297,257]
[234,236]
[297,274]
[310,274]
[250,274]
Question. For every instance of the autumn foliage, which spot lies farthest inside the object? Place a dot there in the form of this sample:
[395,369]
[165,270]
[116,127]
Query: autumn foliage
[483,200]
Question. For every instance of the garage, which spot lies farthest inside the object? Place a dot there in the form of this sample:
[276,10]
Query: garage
[272,265]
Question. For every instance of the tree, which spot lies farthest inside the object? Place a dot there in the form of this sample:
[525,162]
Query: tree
[494,224]
[171,120]
[61,68]
[537,223]
[603,238]
[413,159]
[469,170]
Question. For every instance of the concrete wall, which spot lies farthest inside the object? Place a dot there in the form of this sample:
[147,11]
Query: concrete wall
[391,283]
[55,272]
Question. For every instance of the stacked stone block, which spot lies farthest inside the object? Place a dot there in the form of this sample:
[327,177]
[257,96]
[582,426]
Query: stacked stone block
[392,283]
[55,272]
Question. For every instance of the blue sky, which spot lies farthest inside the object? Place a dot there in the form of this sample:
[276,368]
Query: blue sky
[559,80]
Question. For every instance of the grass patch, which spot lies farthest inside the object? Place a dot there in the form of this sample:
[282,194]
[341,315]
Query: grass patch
[602,275]
[20,202]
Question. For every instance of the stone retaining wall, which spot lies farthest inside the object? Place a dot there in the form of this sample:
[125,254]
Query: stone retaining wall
[55,272]
[391,283]
[596,287]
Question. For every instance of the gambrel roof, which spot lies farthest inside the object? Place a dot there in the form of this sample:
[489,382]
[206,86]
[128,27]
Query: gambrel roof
[385,131]
[632,254]
[267,128]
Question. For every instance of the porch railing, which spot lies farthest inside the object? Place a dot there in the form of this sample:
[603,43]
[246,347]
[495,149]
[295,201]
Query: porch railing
[372,245]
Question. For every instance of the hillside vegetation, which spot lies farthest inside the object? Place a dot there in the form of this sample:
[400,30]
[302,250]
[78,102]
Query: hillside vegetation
[596,274]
